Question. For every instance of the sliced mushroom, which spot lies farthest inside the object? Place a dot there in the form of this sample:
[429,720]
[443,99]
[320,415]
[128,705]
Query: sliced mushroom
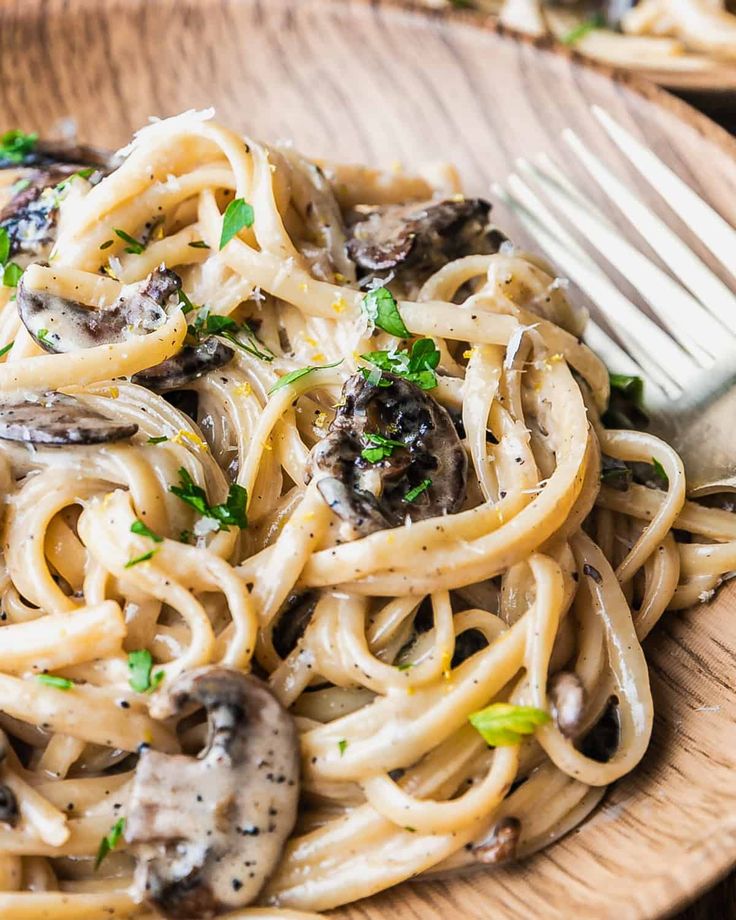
[567,696]
[61,325]
[421,237]
[372,496]
[9,810]
[292,621]
[209,831]
[55,419]
[191,363]
[500,844]
[30,216]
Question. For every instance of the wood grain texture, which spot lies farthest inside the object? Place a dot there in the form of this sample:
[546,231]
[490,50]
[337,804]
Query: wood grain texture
[362,81]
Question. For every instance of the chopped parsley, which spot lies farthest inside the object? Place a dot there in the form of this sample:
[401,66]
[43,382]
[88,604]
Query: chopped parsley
[43,336]
[380,448]
[238,214]
[6,348]
[417,367]
[140,665]
[142,530]
[381,308]
[159,440]
[16,145]
[596,21]
[626,405]
[208,323]
[80,174]
[230,512]
[12,274]
[110,841]
[659,472]
[199,244]
[4,246]
[144,557]
[107,244]
[52,680]
[405,666]
[134,246]
[342,745]
[293,376]
[414,493]
[503,724]
[185,303]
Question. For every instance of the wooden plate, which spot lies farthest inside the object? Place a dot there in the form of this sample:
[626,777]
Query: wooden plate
[361,81]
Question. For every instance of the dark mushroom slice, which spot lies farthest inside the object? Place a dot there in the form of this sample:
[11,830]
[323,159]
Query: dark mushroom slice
[373,495]
[421,237]
[209,831]
[58,420]
[9,810]
[567,696]
[191,363]
[500,844]
[61,325]
[292,621]
[30,216]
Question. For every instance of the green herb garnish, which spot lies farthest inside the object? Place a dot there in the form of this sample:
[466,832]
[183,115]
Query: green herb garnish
[298,374]
[185,303]
[405,665]
[43,336]
[16,145]
[19,186]
[142,530]
[417,367]
[231,512]
[107,244]
[659,472]
[380,449]
[110,841]
[144,557]
[414,493]
[238,214]
[51,680]
[214,324]
[199,244]
[12,274]
[342,745]
[134,246]
[6,348]
[80,173]
[596,21]
[4,246]
[382,310]
[140,665]
[159,440]
[503,724]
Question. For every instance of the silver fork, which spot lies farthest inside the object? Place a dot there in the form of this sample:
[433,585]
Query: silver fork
[688,359]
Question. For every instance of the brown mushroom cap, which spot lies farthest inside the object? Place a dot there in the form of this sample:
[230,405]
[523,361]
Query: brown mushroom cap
[61,325]
[567,697]
[372,496]
[192,362]
[57,420]
[209,831]
[421,236]
[500,844]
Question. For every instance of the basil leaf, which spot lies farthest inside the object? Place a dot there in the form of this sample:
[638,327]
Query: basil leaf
[382,309]
[503,724]
[238,214]
[292,376]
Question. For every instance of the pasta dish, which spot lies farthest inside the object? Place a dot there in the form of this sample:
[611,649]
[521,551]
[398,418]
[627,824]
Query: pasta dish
[328,546]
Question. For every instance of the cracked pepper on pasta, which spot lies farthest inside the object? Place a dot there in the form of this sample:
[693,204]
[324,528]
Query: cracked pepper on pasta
[320,570]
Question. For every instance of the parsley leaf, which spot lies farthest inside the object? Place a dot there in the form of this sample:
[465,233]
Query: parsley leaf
[142,530]
[6,348]
[52,680]
[4,246]
[342,745]
[12,274]
[238,214]
[16,145]
[383,311]
[134,246]
[231,512]
[43,336]
[185,303]
[380,449]
[157,440]
[110,841]
[417,367]
[626,405]
[503,724]
[199,244]
[144,557]
[298,374]
[414,493]
[226,327]
[582,29]
[80,173]
[660,473]
[140,665]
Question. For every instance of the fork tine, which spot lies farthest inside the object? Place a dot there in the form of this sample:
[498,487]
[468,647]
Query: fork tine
[693,327]
[617,361]
[716,233]
[646,342]
[679,258]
